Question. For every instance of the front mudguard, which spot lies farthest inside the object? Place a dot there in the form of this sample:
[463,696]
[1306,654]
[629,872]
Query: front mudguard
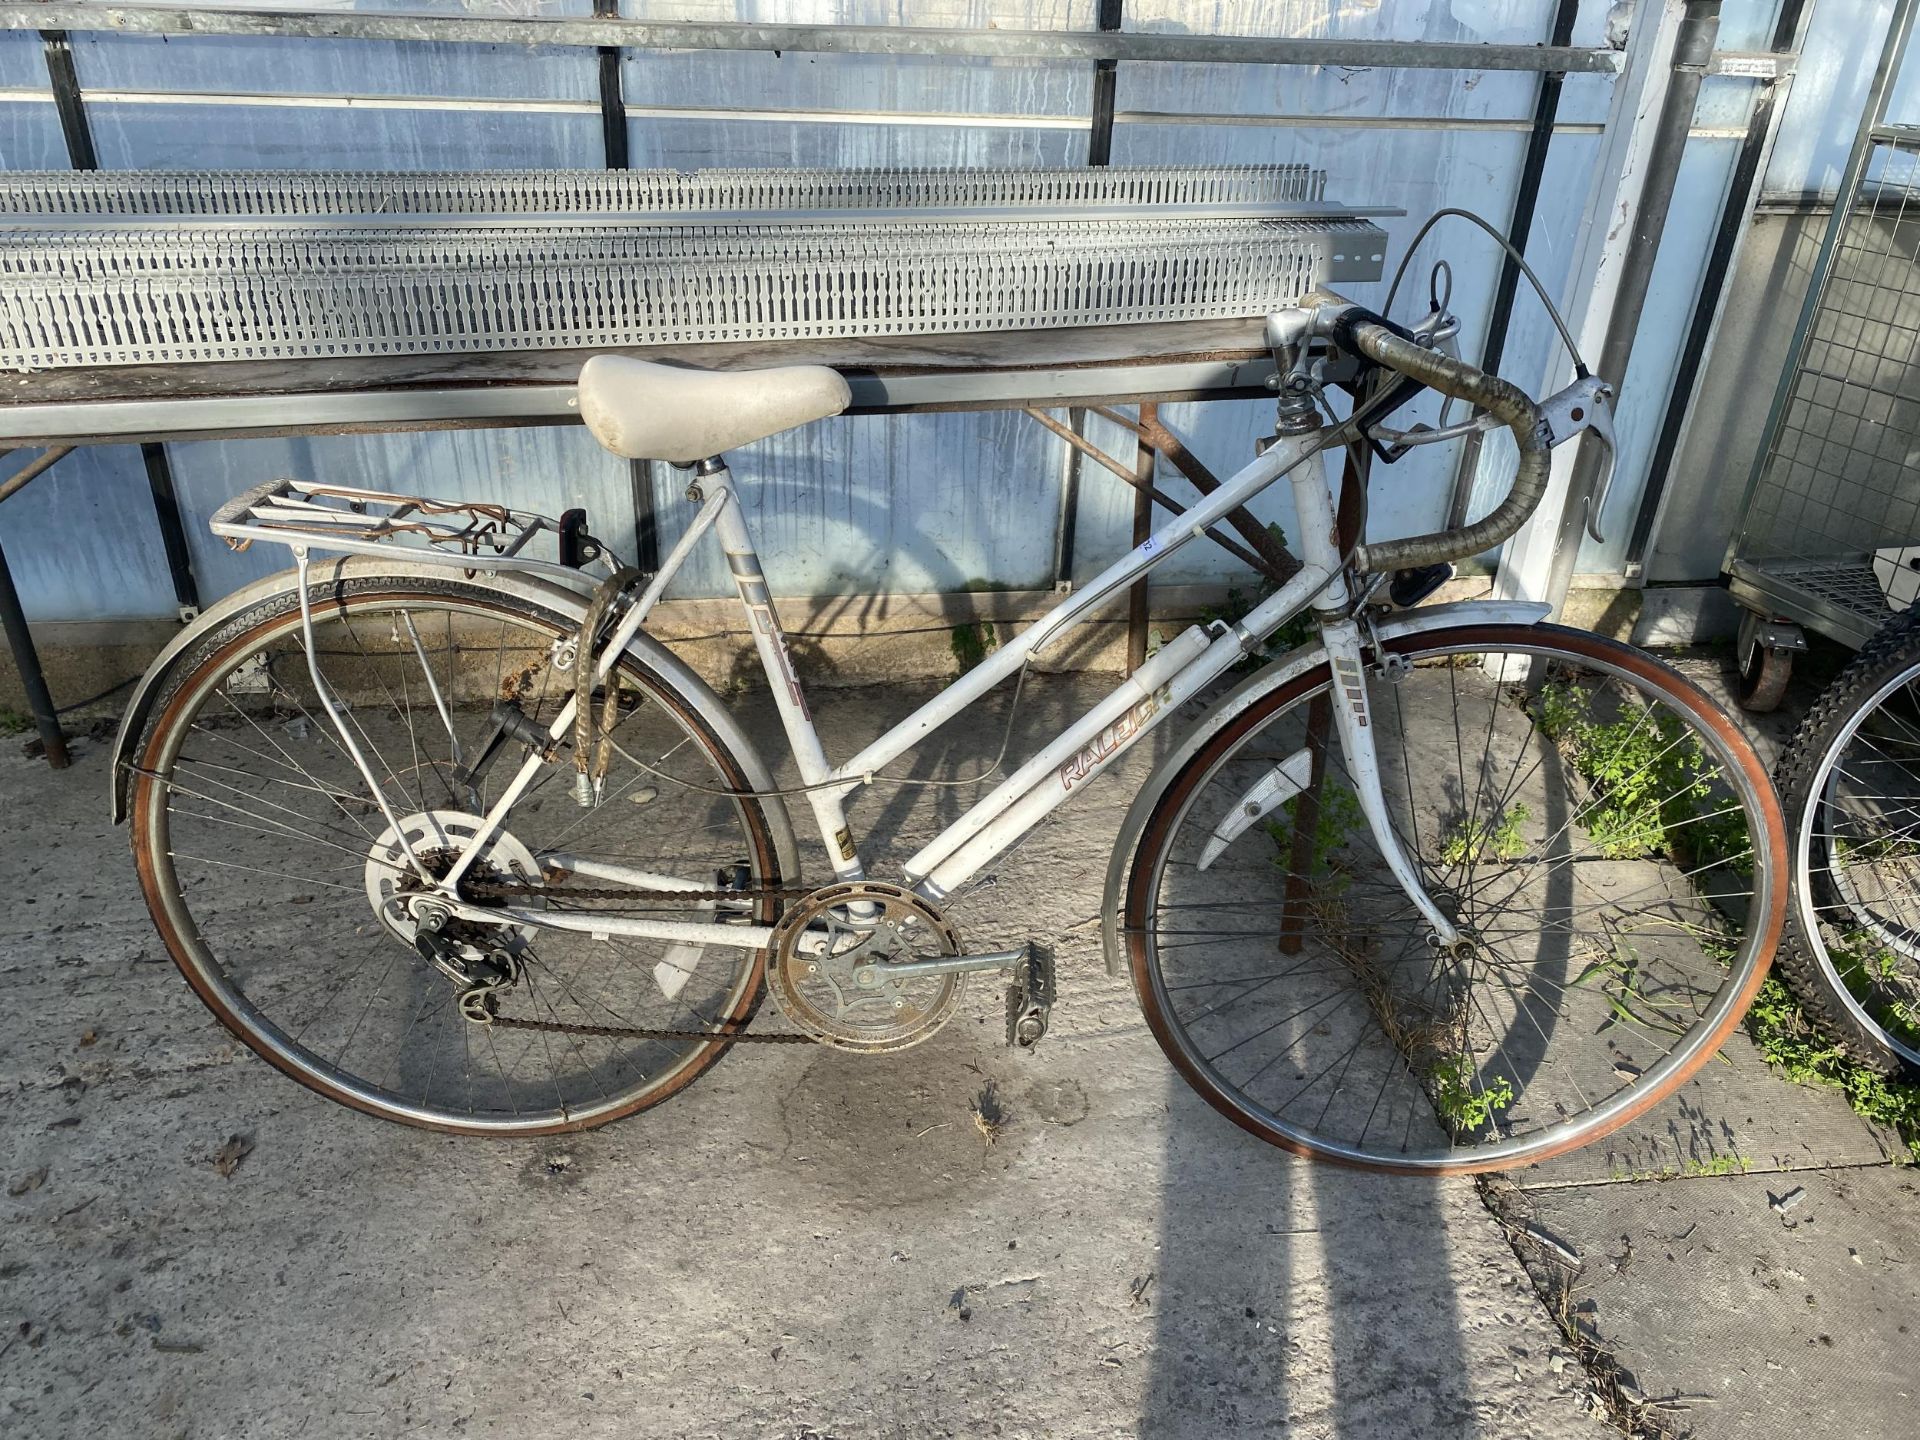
[564,598]
[1256,686]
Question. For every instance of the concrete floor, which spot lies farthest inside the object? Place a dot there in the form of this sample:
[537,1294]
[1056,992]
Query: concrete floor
[809,1244]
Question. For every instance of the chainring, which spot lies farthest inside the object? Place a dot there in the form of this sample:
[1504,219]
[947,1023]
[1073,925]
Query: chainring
[819,942]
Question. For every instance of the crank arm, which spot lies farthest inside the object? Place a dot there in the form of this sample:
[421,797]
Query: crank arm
[876,973]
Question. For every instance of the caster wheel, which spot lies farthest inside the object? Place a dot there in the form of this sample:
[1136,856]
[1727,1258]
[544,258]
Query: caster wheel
[1764,677]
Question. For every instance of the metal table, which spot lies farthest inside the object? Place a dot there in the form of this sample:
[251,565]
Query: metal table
[1178,360]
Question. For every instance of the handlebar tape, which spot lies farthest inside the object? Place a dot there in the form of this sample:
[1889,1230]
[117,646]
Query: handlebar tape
[1388,345]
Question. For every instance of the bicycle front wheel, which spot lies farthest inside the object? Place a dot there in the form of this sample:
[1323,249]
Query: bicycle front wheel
[280,886]
[1603,837]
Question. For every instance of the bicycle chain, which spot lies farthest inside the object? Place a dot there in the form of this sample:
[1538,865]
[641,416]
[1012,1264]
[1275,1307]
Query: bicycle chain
[497,889]
[505,890]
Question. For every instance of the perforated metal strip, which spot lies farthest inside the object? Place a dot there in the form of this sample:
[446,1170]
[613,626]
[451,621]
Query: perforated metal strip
[114,289]
[287,192]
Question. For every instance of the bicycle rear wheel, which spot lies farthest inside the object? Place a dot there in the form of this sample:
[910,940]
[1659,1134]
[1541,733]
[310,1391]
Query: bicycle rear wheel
[279,887]
[1602,834]
[1850,785]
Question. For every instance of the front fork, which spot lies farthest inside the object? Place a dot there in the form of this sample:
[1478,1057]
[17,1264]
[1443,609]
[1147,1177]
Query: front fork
[1352,719]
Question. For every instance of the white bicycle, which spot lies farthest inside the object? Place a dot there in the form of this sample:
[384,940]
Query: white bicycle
[1444,889]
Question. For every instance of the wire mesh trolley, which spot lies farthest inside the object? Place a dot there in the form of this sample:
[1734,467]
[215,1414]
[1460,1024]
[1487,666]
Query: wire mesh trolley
[1832,509]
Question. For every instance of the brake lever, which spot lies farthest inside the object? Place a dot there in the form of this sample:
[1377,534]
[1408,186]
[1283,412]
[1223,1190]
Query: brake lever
[1586,407]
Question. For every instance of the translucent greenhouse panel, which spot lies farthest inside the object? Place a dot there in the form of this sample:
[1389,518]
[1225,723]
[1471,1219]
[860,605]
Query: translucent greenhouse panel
[880,504]
[22,66]
[83,542]
[1822,113]
[262,102]
[1536,358]
[1498,22]
[690,143]
[915,504]
[244,137]
[1418,170]
[926,14]
[1903,105]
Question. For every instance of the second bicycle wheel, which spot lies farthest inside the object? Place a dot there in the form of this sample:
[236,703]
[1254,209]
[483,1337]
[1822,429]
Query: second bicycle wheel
[1603,836]
[1850,782]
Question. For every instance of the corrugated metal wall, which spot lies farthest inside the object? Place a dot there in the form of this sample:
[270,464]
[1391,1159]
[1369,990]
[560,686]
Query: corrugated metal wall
[907,504]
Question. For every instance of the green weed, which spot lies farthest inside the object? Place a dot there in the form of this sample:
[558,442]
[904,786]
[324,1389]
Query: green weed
[1234,608]
[1690,1169]
[1465,1104]
[1339,818]
[1468,842]
[1617,976]
[973,642]
[1653,784]
[1789,1043]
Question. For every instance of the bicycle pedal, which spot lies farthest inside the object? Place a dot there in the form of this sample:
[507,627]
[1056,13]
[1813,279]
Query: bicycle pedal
[1030,997]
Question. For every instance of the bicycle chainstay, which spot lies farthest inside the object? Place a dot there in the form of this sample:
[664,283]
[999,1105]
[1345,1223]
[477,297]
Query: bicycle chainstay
[503,890]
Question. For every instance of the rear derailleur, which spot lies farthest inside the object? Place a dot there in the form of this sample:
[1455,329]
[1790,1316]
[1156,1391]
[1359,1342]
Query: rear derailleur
[480,974]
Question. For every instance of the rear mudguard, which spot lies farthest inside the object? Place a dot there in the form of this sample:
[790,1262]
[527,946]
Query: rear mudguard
[1256,686]
[561,597]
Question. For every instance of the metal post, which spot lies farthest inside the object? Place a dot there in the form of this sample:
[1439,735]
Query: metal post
[1099,152]
[1105,80]
[1143,465]
[81,155]
[618,154]
[65,83]
[1692,48]
[32,679]
[646,519]
[335,23]
[1633,178]
[1736,216]
[613,104]
[173,534]
[1526,199]
[57,51]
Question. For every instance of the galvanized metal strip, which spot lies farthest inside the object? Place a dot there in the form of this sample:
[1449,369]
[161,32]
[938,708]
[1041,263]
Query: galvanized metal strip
[830,39]
[132,269]
[481,407]
[1011,193]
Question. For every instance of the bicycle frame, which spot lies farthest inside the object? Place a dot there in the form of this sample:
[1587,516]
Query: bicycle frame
[1136,707]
